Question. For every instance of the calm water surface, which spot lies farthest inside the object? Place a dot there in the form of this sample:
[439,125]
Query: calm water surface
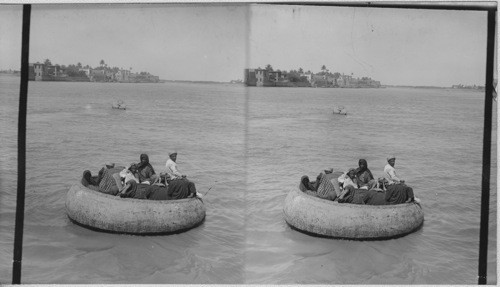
[252,145]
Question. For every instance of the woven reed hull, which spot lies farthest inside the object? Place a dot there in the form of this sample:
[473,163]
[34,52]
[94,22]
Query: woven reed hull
[105,212]
[325,218]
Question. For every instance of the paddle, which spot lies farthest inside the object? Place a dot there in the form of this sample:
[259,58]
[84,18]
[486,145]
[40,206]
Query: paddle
[200,197]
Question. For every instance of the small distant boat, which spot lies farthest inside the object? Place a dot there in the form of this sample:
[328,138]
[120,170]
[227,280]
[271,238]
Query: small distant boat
[119,105]
[340,110]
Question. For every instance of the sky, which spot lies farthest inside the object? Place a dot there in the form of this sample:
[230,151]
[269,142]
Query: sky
[175,42]
[394,46]
[215,42]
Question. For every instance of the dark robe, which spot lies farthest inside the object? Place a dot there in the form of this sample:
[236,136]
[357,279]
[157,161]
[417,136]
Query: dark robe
[145,171]
[353,195]
[136,190]
[398,193]
[145,191]
[362,196]
[374,197]
[158,192]
[181,188]
[363,175]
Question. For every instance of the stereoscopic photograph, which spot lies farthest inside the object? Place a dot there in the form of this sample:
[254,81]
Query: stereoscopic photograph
[326,143]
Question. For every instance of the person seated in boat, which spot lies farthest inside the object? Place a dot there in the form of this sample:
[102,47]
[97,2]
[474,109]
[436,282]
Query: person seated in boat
[396,190]
[390,172]
[364,176]
[145,171]
[109,181]
[90,181]
[325,188]
[348,179]
[171,167]
[129,173]
[322,187]
[333,178]
[352,193]
[306,185]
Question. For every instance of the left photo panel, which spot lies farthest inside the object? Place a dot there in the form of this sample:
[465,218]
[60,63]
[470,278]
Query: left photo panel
[135,143]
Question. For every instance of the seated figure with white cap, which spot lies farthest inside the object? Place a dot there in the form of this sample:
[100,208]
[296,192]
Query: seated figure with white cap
[396,191]
[171,167]
[390,171]
[177,182]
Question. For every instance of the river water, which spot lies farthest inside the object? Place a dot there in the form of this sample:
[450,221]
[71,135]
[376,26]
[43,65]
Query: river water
[251,145]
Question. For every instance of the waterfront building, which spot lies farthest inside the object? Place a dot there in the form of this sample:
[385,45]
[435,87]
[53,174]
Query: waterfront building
[38,70]
[87,72]
[110,76]
[308,76]
[274,75]
[345,81]
[254,77]
[122,76]
[119,76]
[262,77]
[97,76]
[42,72]
[53,70]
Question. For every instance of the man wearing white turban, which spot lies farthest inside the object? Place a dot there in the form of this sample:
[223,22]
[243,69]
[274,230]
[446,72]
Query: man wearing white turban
[390,171]
[397,191]
[171,166]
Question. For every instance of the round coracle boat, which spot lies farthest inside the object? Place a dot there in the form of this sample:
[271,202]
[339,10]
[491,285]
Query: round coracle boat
[104,212]
[325,218]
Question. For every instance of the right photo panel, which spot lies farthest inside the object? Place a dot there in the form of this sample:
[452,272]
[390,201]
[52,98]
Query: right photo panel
[364,141]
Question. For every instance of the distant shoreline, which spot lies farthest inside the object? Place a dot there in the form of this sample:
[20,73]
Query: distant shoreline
[431,87]
[15,74]
[198,82]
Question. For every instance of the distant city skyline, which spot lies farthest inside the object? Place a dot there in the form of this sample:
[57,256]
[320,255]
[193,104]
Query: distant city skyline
[216,42]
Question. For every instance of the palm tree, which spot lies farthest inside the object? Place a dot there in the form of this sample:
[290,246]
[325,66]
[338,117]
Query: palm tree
[269,67]
[301,71]
[79,65]
[101,63]
[323,68]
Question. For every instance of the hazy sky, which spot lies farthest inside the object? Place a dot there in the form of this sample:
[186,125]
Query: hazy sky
[179,42]
[395,46]
[216,42]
